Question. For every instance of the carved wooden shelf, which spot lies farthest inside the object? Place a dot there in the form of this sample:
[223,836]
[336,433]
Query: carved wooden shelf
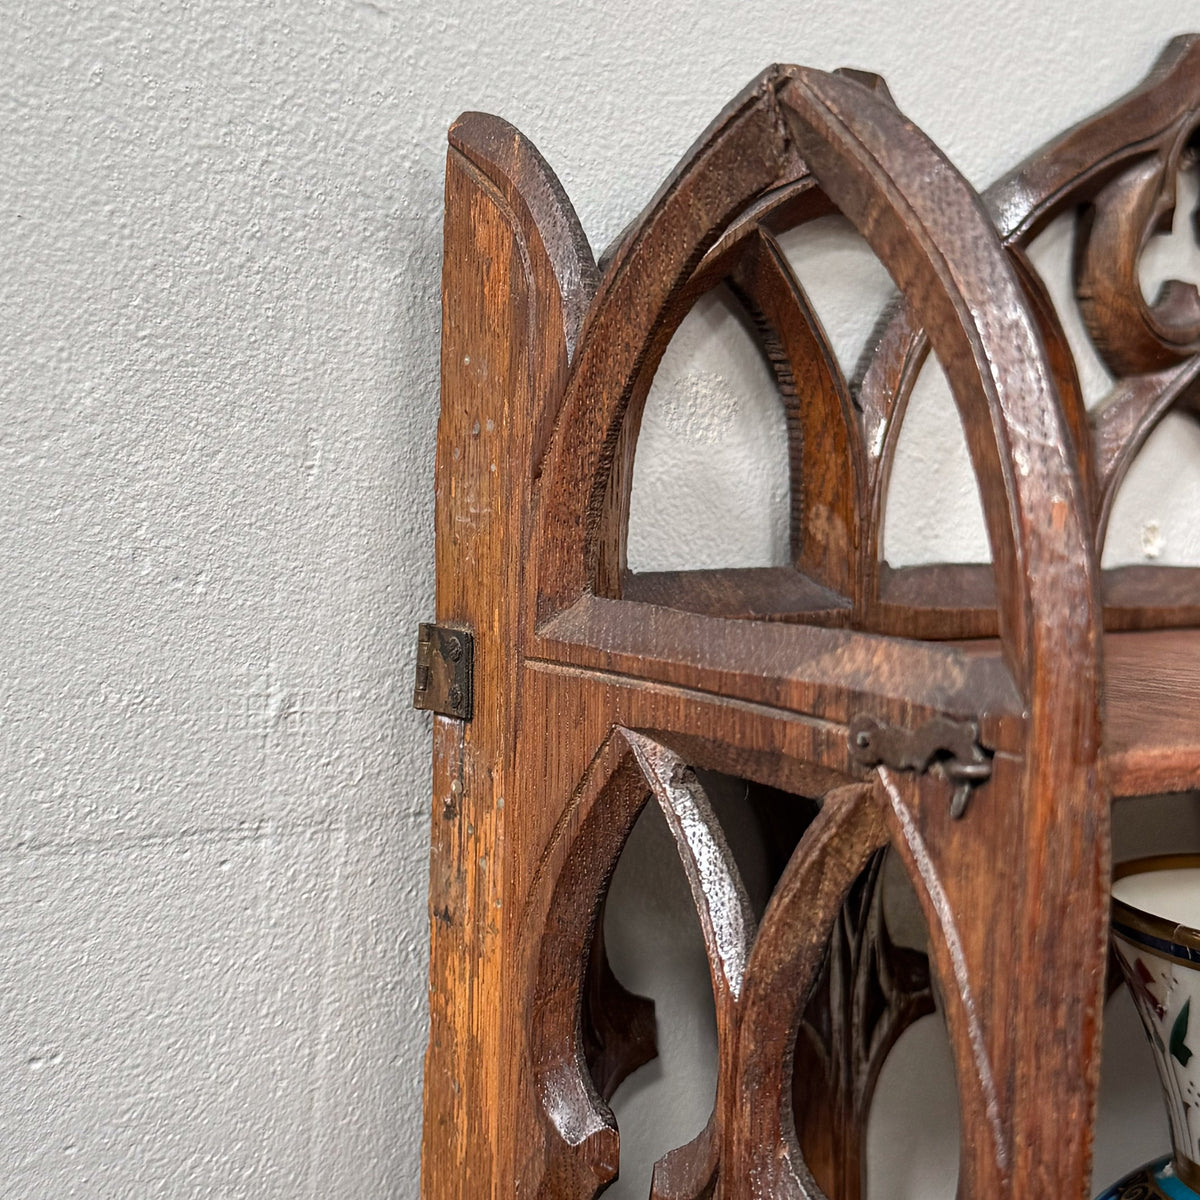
[976,720]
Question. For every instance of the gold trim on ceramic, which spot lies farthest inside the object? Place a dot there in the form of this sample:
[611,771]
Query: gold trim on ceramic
[1148,923]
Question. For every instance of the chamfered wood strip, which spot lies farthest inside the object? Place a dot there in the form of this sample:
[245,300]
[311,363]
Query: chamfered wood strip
[571,1147]
[728,927]
[1066,376]
[825,673]
[747,593]
[785,207]
[882,383]
[514,165]
[966,888]
[759,1150]
[828,472]
[718,894]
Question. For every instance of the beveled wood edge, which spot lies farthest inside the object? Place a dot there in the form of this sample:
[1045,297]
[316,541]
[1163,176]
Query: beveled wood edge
[934,601]
[716,659]
[828,674]
[957,600]
[744,593]
[512,163]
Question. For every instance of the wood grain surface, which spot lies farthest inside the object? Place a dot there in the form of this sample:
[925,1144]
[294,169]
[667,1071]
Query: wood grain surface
[597,691]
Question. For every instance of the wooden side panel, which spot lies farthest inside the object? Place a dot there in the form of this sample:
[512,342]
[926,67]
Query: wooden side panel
[511,246]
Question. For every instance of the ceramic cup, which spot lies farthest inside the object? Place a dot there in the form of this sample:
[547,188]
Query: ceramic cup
[1156,938]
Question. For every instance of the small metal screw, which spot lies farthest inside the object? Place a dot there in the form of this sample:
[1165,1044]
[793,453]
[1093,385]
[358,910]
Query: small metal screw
[455,652]
[958,802]
[456,696]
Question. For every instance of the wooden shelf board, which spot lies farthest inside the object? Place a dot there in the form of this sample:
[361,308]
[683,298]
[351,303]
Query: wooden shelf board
[827,674]
[1152,697]
[940,601]
[1152,738]
[744,593]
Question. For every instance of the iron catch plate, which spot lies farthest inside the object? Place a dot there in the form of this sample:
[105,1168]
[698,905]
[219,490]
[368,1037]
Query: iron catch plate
[952,746]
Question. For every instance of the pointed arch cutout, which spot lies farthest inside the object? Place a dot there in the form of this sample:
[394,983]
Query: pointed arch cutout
[710,479]
[1154,510]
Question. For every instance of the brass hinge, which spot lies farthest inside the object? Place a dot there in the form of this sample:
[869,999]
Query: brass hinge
[941,742]
[445,671]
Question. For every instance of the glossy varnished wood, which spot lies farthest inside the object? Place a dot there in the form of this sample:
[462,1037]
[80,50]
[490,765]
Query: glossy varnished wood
[597,691]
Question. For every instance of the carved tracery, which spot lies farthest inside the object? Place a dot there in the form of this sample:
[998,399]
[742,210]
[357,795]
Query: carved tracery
[595,696]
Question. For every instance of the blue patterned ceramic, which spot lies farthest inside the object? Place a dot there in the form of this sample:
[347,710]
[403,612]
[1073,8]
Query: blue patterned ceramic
[1156,938]
[1149,1183]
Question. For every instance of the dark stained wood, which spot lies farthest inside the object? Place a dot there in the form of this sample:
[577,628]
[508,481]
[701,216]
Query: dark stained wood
[945,601]
[616,1025]
[1134,336]
[842,671]
[746,593]
[784,968]
[868,993]
[1153,692]
[1050,180]
[728,925]
[828,474]
[597,690]
[744,154]
[1062,366]
[1150,597]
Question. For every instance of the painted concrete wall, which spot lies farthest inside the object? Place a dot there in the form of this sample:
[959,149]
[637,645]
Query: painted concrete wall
[220,229]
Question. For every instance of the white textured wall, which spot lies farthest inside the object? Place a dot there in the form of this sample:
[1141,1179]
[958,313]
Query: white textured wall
[220,228]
